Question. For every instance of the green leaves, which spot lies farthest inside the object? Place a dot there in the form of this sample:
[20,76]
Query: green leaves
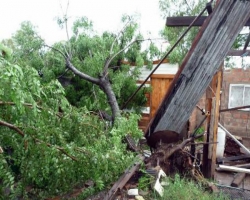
[82,25]
[28,46]
[62,146]
[5,53]
[172,34]
[7,178]
[50,123]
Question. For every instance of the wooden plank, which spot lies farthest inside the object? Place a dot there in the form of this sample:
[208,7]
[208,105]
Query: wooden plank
[165,76]
[233,158]
[233,52]
[187,20]
[216,120]
[124,179]
[208,50]
[184,21]
[141,81]
[210,94]
[155,62]
[211,130]
[238,179]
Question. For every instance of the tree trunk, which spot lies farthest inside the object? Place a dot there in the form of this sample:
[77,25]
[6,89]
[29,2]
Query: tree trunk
[104,85]
[112,101]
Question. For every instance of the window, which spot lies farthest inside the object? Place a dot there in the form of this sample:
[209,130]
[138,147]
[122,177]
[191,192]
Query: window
[239,95]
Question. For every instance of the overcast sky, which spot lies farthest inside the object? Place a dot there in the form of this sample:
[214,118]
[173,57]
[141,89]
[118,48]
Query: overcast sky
[105,14]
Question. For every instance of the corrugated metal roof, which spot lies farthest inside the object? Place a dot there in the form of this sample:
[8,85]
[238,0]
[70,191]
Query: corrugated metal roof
[164,68]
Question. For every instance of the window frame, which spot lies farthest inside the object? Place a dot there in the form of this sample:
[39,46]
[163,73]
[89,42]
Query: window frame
[230,91]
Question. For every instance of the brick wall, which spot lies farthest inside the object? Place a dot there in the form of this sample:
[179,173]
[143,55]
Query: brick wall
[237,122]
[196,116]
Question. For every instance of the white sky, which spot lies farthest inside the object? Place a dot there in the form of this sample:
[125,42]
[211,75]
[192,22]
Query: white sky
[105,14]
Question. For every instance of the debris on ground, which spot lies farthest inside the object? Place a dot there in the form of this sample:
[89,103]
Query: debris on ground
[231,148]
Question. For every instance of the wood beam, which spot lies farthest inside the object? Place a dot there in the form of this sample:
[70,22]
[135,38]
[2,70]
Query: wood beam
[216,120]
[238,179]
[236,108]
[242,53]
[210,94]
[233,158]
[187,20]
[124,179]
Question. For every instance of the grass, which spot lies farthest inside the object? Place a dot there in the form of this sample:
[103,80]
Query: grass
[183,189]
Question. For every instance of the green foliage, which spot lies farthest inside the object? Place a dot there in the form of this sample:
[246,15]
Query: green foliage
[172,34]
[176,8]
[183,189]
[28,46]
[82,25]
[145,182]
[40,164]
[89,52]
[5,53]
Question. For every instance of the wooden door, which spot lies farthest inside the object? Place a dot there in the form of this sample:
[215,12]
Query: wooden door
[160,84]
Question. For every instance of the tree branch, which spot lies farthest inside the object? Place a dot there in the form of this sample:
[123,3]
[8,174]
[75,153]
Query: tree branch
[188,5]
[80,74]
[55,49]
[110,60]
[25,104]
[65,20]
[11,126]
[116,38]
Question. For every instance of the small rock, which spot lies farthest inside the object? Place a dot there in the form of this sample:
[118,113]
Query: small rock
[164,183]
[133,192]
[139,198]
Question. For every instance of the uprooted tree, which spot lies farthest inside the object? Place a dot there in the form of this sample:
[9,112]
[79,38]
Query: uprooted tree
[97,67]
[49,146]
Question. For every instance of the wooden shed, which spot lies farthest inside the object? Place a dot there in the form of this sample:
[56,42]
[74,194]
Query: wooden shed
[159,83]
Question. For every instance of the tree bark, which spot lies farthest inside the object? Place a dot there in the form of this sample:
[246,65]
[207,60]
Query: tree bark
[112,101]
[104,85]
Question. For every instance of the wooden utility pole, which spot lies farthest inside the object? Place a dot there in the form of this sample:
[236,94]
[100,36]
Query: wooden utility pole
[216,121]
[210,94]
[213,106]
[208,50]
